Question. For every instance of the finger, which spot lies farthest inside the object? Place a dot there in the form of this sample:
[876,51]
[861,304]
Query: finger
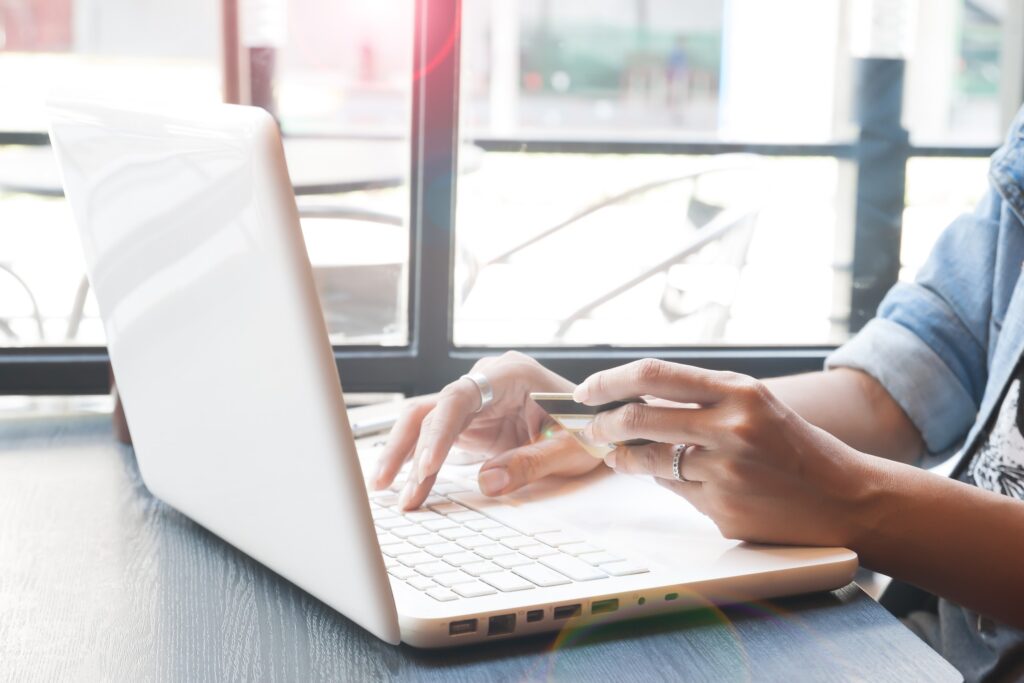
[672,381]
[640,421]
[415,492]
[516,468]
[654,459]
[692,491]
[657,460]
[456,407]
[402,438]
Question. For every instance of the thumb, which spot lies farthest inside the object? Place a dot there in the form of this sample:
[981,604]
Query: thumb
[517,467]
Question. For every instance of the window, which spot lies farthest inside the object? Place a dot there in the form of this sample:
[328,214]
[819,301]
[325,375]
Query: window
[706,181]
[338,85]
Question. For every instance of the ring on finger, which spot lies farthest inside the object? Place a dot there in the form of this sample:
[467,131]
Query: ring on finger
[483,386]
[677,461]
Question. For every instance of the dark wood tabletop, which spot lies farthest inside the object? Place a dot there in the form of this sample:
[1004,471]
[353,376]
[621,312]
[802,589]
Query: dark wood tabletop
[100,581]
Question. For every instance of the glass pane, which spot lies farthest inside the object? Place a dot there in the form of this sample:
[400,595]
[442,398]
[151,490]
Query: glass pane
[964,71]
[637,249]
[339,80]
[938,190]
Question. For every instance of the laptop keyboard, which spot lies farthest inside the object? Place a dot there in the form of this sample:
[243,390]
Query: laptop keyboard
[462,544]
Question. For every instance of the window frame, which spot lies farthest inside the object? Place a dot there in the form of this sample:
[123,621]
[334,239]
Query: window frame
[431,360]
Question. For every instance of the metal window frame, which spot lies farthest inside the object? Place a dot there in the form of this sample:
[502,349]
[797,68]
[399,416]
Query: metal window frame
[431,359]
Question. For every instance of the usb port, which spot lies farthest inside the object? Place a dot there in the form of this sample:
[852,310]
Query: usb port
[566,611]
[457,628]
[501,624]
[535,615]
[603,606]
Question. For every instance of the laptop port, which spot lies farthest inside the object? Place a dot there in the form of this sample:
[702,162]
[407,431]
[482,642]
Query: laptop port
[535,615]
[671,596]
[501,625]
[566,611]
[603,606]
[458,628]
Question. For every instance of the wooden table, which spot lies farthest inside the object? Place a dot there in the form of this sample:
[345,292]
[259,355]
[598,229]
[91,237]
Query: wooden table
[100,581]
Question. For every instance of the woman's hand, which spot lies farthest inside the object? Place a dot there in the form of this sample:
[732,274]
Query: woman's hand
[525,444]
[751,464]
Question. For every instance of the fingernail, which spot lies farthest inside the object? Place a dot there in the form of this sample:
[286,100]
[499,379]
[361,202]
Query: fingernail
[423,466]
[494,480]
[581,393]
[610,460]
[403,499]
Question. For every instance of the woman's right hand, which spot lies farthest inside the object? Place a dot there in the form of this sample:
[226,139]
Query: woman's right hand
[522,443]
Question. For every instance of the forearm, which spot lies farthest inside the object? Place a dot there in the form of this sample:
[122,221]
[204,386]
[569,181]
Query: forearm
[852,406]
[951,539]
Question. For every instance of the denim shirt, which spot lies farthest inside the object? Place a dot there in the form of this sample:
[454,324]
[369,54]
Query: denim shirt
[945,347]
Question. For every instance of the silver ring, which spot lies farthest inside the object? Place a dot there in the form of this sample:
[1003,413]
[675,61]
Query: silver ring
[677,458]
[483,386]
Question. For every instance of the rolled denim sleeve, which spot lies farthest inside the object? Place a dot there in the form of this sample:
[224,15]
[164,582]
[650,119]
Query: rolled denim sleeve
[928,344]
[915,376]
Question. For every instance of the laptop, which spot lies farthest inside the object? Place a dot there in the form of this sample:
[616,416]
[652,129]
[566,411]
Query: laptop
[194,251]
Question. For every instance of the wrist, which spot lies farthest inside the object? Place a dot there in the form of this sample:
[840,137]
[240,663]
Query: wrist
[871,502]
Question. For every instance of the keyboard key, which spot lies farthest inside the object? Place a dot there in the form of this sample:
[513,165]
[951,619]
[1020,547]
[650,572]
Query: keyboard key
[413,559]
[442,594]
[448,507]
[512,560]
[557,538]
[408,531]
[433,500]
[396,549]
[390,523]
[575,568]
[439,524]
[472,542]
[473,590]
[390,562]
[501,532]
[441,549]
[482,524]
[507,581]
[491,551]
[537,550]
[600,557]
[452,578]
[540,575]
[434,568]
[382,513]
[456,533]
[516,542]
[418,516]
[384,498]
[459,559]
[481,568]
[387,538]
[400,572]
[423,540]
[421,582]
[465,516]
[624,568]
[578,548]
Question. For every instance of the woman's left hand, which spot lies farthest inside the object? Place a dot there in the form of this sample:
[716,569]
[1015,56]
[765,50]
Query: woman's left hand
[756,468]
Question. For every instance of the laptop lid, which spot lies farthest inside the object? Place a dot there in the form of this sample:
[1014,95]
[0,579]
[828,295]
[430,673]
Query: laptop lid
[194,252]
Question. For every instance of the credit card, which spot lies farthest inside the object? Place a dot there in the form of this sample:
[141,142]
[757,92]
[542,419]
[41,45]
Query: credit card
[574,418]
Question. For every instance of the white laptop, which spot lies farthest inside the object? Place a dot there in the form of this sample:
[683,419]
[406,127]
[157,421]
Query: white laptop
[195,254]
